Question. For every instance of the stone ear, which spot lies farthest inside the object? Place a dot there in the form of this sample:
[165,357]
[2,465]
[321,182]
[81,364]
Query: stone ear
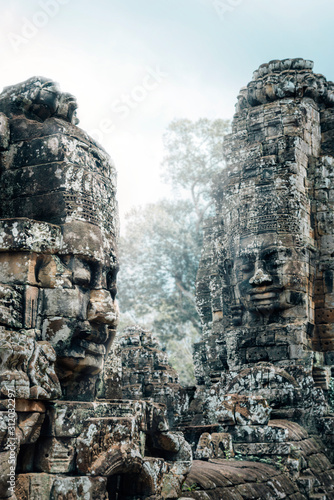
[111,282]
[228,266]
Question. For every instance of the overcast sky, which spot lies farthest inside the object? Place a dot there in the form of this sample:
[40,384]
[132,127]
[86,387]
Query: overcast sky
[134,65]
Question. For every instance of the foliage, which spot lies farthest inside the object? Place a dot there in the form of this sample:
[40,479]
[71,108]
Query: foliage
[192,487]
[194,155]
[160,250]
[276,462]
[159,258]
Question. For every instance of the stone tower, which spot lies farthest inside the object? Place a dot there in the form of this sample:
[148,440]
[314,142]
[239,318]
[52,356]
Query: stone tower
[64,433]
[265,296]
[265,282]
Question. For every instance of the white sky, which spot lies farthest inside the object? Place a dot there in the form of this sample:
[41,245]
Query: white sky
[105,52]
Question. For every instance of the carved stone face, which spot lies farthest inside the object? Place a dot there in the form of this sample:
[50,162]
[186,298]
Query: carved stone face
[65,301]
[79,311]
[271,274]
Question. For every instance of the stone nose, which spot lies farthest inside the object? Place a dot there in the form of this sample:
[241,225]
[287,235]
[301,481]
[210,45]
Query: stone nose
[260,277]
[101,308]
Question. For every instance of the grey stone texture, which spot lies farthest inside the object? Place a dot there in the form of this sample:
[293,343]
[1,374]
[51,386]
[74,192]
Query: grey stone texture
[86,414]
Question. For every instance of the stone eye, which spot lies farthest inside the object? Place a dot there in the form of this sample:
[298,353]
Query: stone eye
[248,264]
[228,265]
[81,273]
[271,260]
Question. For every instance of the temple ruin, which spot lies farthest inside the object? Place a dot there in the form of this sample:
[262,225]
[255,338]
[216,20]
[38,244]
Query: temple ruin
[89,414]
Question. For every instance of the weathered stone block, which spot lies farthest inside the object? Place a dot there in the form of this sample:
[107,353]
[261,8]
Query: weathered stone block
[11,306]
[81,238]
[259,449]
[69,303]
[67,418]
[257,434]
[104,441]
[239,410]
[32,236]
[35,486]
[215,445]
[55,456]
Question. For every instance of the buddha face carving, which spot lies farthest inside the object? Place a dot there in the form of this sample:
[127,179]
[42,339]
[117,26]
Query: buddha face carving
[64,305]
[79,311]
[271,275]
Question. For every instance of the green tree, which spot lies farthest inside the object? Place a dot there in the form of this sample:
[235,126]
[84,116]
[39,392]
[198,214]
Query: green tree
[194,155]
[160,250]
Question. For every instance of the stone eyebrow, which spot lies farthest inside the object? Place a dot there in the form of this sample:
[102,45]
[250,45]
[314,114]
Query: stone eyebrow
[266,251]
[247,253]
[271,250]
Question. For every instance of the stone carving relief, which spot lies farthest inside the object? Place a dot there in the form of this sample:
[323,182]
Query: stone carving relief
[267,275]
